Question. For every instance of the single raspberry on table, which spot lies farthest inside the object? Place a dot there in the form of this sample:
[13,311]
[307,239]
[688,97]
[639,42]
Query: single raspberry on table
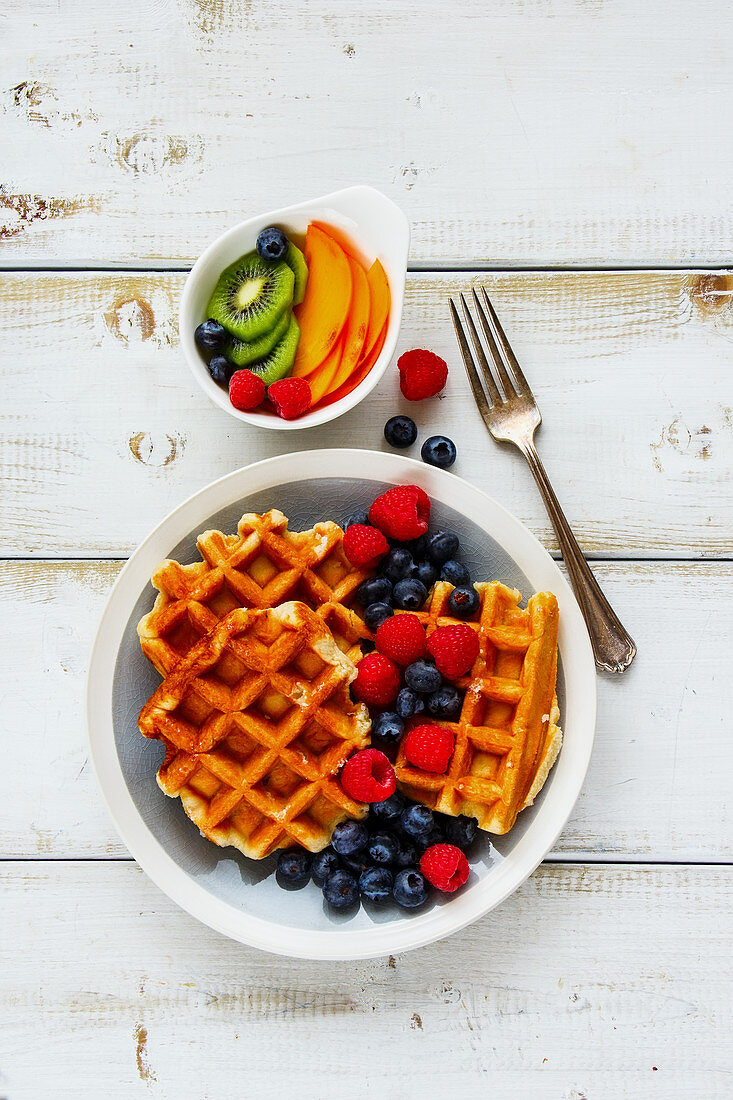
[246,390]
[455,648]
[445,867]
[377,680]
[368,776]
[291,397]
[429,748]
[402,513]
[364,545]
[422,374]
[401,638]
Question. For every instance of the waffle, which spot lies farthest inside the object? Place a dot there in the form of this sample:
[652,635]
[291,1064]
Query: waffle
[257,721]
[263,565]
[506,736]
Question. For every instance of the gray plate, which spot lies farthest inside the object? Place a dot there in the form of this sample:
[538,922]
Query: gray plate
[224,872]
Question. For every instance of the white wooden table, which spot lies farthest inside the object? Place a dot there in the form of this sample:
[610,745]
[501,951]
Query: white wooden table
[573,156]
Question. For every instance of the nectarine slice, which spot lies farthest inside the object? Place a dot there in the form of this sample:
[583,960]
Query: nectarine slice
[322,377]
[380,303]
[358,375]
[355,329]
[325,307]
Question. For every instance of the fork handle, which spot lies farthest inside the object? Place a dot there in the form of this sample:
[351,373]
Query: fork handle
[613,648]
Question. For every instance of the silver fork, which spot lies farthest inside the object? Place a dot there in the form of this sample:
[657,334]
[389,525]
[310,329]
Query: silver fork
[510,412]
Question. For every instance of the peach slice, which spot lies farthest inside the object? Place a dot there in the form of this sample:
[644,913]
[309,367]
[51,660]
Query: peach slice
[355,329]
[358,375]
[322,377]
[380,303]
[325,307]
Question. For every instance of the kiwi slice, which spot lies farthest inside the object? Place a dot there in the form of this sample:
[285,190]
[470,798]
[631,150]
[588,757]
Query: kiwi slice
[251,296]
[295,260]
[244,352]
[280,360]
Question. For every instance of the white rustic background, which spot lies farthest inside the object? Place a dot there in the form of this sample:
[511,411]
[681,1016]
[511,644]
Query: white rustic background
[574,156]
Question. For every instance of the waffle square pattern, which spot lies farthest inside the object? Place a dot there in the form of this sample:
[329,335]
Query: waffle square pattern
[257,721]
[262,565]
[507,735]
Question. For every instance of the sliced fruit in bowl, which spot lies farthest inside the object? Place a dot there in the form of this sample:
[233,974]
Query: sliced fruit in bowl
[314,292]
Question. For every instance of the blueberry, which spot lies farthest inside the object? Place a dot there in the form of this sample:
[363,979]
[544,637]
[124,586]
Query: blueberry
[349,837]
[438,450]
[416,821]
[382,848]
[409,889]
[422,676]
[374,590]
[387,730]
[293,869]
[220,369]
[400,431]
[441,546]
[272,244]
[341,890]
[324,864]
[435,836]
[407,854]
[210,335]
[410,594]
[389,810]
[463,601]
[356,864]
[445,702]
[361,517]
[408,703]
[455,572]
[418,547]
[376,613]
[426,573]
[398,564]
[376,884]
[461,831]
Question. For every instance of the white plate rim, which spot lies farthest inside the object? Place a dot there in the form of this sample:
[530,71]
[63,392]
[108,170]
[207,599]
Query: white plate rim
[340,943]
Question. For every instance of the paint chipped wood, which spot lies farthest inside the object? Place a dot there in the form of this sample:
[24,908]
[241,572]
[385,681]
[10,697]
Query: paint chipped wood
[658,727]
[579,985]
[630,371]
[525,133]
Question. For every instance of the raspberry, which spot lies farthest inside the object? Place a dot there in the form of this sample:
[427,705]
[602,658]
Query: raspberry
[401,638]
[422,374]
[455,648]
[364,545]
[377,680]
[429,748]
[401,513]
[445,867]
[246,390]
[290,396]
[368,776]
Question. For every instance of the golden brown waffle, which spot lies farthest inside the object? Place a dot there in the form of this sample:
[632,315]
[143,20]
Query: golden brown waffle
[506,736]
[257,721]
[263,565]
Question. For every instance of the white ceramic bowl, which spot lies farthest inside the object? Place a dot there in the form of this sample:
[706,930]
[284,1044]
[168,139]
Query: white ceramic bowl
[378,230]
[220,887]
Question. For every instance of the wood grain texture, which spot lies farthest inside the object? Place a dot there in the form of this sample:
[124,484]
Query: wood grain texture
[630,371]
[525,132]
[589,982]
[662,752]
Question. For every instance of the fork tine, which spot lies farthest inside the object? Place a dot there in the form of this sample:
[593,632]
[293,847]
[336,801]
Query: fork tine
[494,395]
[495,350]
[520,382]
[473,378]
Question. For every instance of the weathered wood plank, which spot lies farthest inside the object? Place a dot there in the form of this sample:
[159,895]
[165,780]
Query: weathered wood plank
[590,981]
[631,372]
[524,133]
[659,727]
